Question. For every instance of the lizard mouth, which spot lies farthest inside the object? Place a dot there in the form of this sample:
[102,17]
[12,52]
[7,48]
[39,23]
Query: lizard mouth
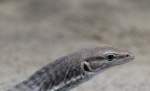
[106,65]
[125,60]
[98,66]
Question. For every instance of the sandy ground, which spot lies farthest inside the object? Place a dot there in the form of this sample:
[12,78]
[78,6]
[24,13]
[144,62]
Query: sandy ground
[35,32]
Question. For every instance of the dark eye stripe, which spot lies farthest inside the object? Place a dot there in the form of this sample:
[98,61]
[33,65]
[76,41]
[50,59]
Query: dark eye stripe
[123,56]
[94,58]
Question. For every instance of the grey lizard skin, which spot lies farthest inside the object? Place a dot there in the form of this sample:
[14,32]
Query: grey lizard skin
[69,71]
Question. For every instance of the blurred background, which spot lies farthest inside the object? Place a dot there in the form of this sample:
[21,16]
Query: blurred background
[35,32]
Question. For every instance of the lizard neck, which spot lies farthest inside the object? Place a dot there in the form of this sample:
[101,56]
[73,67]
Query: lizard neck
[59,76]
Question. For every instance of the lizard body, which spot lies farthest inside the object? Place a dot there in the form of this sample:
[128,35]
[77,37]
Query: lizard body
[69,71]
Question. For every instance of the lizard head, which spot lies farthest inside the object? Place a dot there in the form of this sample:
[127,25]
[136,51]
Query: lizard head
[105,57]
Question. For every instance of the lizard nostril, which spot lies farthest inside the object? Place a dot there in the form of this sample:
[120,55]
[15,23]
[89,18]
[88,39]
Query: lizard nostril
[127,55]
[130,55]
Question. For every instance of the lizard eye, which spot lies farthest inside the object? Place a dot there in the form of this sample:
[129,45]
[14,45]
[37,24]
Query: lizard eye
[110,57]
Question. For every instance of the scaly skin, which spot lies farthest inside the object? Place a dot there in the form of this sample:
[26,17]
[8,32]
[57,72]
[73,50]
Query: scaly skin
[69,71]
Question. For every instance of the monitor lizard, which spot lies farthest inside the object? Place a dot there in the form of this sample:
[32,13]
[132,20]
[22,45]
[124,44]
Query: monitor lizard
[69,71]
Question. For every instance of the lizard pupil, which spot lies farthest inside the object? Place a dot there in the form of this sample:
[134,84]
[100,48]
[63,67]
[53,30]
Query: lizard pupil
[110,57]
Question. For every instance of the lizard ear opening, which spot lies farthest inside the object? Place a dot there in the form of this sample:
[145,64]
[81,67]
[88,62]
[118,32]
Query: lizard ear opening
[86,67]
